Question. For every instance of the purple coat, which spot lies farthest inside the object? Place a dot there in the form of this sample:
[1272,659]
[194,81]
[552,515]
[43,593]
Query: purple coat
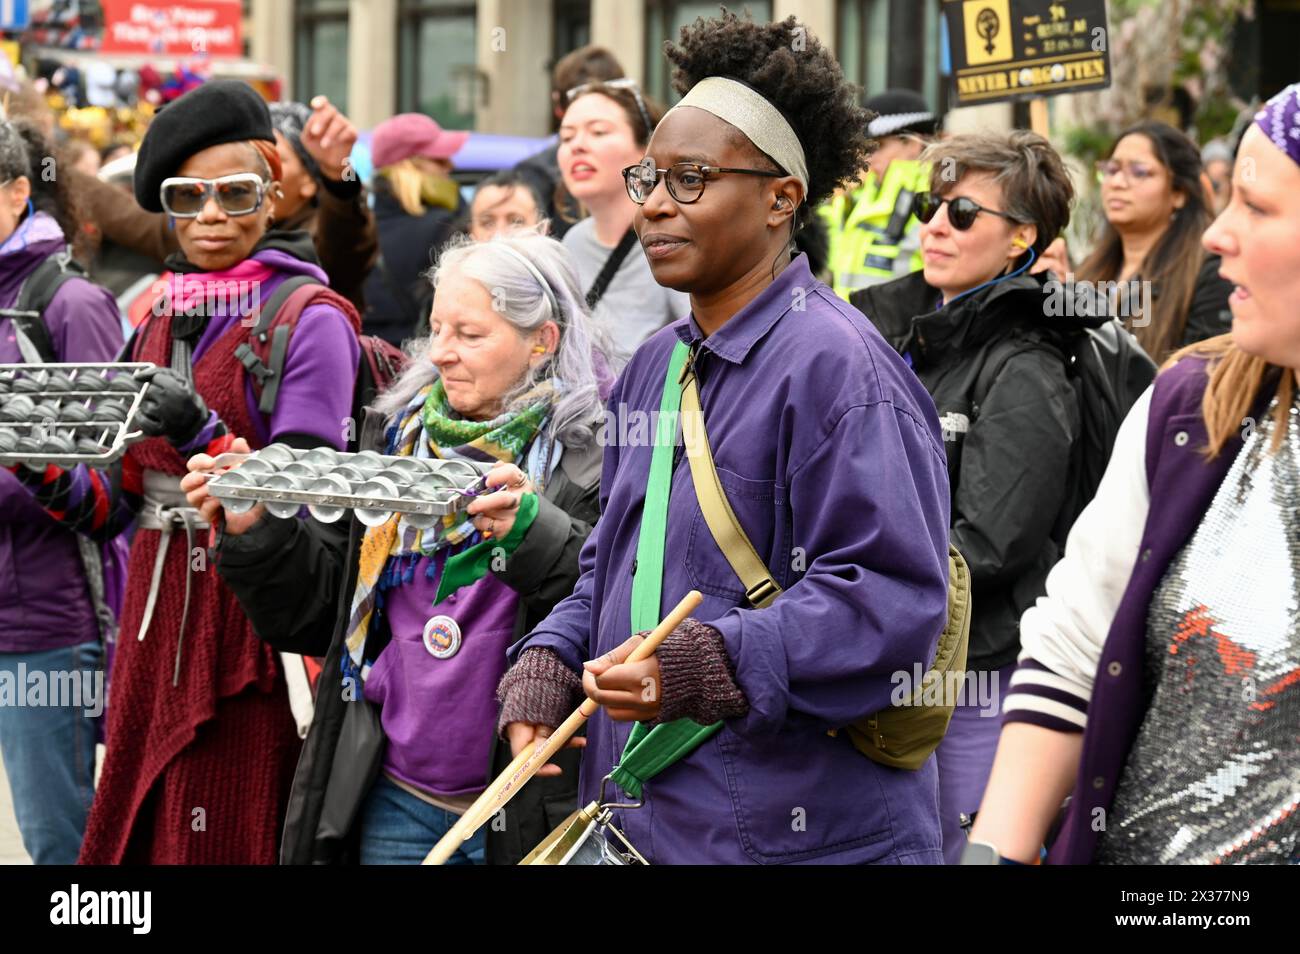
[1183,484]
[830,451]
[44,603]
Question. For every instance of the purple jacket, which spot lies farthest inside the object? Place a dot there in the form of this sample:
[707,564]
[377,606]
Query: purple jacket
[830,451]
[1183,484]
[44,603]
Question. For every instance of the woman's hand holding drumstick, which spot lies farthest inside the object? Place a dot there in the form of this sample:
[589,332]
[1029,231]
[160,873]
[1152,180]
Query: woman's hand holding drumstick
[537,753]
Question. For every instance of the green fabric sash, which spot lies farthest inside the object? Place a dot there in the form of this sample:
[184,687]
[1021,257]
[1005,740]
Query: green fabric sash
[471,565]
[650,751]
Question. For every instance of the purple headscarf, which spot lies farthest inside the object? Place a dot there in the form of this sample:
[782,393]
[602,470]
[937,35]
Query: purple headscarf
[1280,120]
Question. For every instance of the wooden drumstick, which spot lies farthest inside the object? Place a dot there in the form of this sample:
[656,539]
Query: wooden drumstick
[526,764]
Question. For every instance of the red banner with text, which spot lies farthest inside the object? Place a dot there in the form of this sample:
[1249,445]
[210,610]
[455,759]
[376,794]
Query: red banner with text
[177,28]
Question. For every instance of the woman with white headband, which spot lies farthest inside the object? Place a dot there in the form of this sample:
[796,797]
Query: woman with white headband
[829,453]
[402,737]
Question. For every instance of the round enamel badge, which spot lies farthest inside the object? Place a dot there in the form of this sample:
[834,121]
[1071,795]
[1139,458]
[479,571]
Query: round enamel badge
[442,637]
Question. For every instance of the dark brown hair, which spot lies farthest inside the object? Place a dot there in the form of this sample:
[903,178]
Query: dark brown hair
[796,73]
[1175,261]
[1036,189]
[586,64]
[51,189]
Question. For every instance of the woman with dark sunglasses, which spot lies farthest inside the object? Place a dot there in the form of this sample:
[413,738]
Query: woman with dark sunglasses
[828,451]
[1156,212]
[202,741]
[974,327]
[1159,685]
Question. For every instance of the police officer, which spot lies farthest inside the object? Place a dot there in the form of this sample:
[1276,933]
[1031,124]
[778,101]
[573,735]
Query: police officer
[874,236]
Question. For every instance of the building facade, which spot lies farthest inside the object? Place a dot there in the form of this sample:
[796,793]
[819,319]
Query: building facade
[485,65]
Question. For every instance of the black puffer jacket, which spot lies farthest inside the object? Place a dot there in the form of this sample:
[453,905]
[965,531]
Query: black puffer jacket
[995,364]
[409,245]
[295,578]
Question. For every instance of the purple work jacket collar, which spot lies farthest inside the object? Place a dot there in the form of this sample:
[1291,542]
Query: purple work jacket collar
[735,339]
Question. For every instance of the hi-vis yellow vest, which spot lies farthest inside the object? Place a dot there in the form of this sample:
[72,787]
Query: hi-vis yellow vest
[873,235]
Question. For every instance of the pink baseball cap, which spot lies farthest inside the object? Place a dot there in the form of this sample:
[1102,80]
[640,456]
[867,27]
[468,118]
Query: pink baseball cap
[413,134]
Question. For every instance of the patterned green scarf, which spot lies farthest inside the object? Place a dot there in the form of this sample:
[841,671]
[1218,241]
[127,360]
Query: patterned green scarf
[429,417]
[502,438]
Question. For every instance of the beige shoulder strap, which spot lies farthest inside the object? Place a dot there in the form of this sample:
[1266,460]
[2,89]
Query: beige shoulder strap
[760,588]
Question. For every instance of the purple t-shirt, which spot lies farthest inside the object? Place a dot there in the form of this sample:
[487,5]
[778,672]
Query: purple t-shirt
[439,715]
[323,351]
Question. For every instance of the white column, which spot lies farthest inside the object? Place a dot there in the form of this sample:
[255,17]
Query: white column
[985,118]
[271,38]
[619,26]
[372,61]
[513,40]
[817,15]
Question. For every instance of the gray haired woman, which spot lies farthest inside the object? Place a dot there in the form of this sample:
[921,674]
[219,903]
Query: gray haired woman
[414,623]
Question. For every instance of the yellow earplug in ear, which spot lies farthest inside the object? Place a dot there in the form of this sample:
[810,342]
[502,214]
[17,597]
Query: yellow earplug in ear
[1020,243]
[540,349]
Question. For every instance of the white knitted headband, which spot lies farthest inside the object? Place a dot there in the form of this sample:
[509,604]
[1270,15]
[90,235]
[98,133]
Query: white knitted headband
[734,102]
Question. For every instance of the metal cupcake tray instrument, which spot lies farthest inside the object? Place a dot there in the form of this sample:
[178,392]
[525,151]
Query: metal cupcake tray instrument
[330,483]
[68,414]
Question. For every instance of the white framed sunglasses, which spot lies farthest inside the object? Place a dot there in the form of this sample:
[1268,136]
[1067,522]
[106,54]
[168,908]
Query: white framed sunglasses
[239,194]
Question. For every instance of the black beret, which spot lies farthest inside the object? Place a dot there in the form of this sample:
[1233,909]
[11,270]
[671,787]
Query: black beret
[217,112]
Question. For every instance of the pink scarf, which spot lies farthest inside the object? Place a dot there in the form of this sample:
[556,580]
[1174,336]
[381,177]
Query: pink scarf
[232,291]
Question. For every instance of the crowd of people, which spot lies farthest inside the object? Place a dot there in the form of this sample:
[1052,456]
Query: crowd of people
[938,454]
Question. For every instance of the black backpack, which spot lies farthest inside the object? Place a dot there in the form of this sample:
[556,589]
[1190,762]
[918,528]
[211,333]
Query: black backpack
[1109,371]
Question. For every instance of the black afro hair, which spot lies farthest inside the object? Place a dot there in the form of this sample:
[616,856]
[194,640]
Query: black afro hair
[790,68]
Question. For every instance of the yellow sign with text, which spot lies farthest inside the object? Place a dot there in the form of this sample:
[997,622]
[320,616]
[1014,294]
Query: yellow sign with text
[988,31]
[1018,49]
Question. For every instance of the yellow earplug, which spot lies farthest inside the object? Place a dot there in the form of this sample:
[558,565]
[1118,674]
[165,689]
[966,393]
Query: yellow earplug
[539,350]
[1020,243]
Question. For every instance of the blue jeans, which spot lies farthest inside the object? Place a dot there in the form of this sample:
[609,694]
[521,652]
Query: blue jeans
[399,829]
[48,745]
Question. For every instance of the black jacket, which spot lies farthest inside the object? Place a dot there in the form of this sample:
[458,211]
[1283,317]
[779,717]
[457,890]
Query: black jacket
[295,579]
[1209,314]
[995,364]
[408,246]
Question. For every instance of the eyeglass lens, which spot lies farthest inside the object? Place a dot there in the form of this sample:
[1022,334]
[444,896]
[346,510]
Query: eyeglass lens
[685,182]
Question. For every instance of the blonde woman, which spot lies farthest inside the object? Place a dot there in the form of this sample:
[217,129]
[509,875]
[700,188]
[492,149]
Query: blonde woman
[1158,680]
[416,206]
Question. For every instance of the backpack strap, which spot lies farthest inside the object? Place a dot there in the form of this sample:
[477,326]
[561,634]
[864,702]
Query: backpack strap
[268,373]
[34,296]
[760,588]
[610,268]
